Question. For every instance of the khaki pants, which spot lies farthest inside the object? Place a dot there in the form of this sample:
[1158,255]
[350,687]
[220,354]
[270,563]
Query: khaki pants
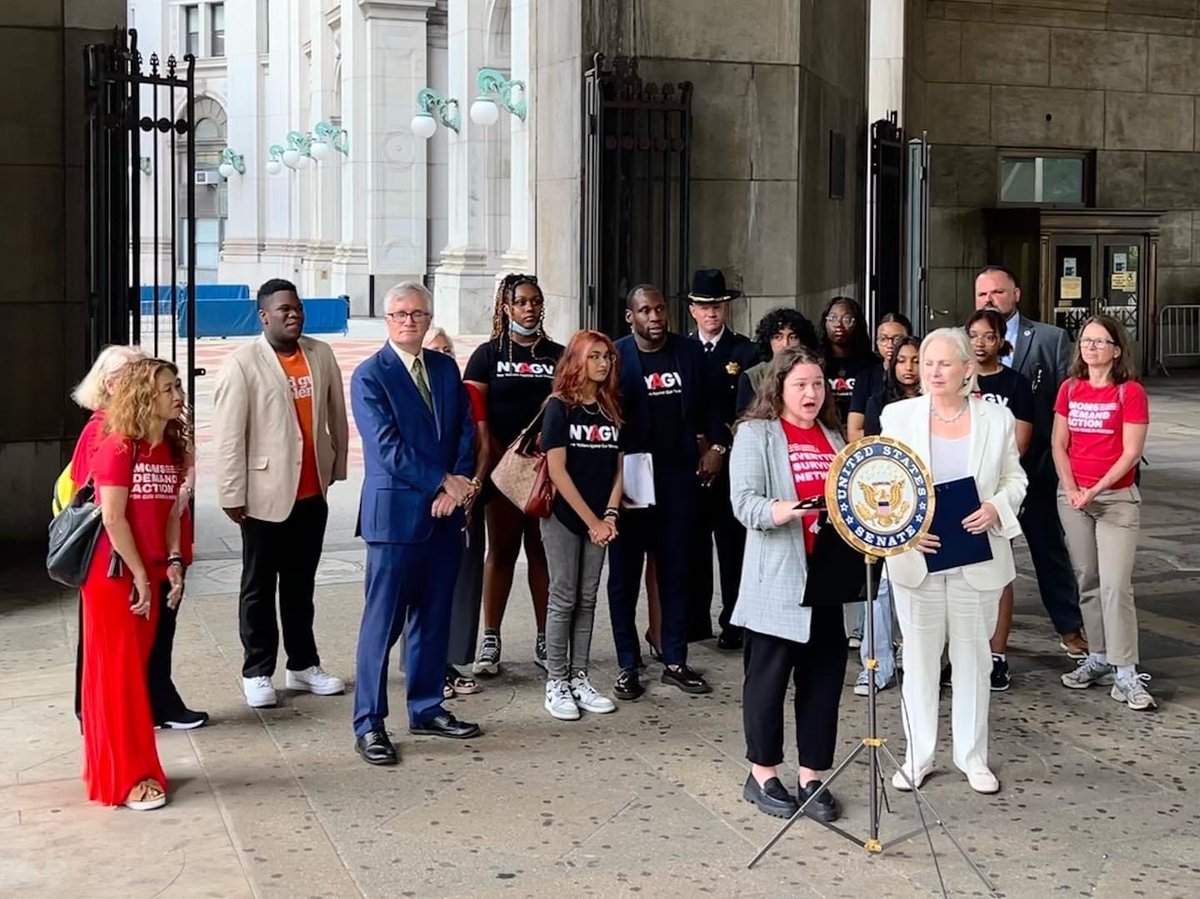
[1102,541]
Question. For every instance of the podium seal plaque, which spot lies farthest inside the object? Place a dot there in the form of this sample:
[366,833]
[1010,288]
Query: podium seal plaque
[879,496]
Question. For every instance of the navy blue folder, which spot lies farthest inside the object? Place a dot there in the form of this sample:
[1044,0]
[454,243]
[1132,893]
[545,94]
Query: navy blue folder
[956,500]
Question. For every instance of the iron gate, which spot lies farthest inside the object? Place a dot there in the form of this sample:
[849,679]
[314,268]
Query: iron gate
[636,158]
[134,292]
[887,218]
[916,262]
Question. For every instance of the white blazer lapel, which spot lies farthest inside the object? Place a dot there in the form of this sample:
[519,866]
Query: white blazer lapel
[979,435]
[313,360]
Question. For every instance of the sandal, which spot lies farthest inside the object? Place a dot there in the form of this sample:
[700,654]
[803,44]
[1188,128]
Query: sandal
[464,685]
[146,796]
[448,688]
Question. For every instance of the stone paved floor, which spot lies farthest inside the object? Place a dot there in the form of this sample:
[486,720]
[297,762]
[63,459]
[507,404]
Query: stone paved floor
[1096,800]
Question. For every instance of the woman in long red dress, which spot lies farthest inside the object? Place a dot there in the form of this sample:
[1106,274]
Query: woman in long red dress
[137,470]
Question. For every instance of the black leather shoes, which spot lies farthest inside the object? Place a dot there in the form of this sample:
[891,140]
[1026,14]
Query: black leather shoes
[823,808]
[685,679]
[771,798]
[730,639]
[446,725]
[375,748]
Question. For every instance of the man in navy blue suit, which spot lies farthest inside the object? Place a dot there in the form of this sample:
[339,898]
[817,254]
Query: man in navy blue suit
[666,395]
[414,417]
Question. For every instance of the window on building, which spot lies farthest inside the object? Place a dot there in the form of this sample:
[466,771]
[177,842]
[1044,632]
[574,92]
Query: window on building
[191,30]
[216,18]
[1033,179]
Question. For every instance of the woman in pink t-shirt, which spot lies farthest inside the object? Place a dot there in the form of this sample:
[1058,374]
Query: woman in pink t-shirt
[1100,421]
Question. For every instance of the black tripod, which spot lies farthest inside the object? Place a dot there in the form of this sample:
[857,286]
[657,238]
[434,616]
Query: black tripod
[872,744]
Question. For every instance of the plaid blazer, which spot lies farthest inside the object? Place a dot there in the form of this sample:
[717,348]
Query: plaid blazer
[775,567]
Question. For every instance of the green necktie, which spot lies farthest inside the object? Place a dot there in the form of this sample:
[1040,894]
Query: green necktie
[418,373]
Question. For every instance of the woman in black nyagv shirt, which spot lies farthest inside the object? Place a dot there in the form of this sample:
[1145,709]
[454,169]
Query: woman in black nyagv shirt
[515,372]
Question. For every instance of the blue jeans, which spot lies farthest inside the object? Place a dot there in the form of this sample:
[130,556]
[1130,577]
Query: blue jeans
[885,652]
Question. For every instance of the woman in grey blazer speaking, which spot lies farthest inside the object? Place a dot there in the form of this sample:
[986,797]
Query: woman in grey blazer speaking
[957,437]
[782,451]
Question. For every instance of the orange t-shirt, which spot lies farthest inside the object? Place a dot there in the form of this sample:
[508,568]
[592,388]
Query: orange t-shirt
[299,377]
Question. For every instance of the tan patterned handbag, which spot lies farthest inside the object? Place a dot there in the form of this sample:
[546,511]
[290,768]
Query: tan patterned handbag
[523,475]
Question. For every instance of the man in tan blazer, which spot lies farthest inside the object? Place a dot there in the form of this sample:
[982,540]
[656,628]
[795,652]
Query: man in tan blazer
[281,440]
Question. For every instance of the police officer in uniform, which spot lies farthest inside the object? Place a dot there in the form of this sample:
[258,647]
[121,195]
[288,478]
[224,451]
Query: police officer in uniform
[727,355]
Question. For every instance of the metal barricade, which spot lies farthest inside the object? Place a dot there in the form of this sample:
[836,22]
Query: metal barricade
[1178,333]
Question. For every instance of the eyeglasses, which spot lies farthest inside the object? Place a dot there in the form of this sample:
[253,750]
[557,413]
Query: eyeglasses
[527,303]
[847,320]
[1095,343]
[989,337]
[892,340]
[417,316]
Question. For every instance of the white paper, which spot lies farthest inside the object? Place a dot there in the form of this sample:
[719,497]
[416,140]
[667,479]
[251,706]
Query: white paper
[639,480]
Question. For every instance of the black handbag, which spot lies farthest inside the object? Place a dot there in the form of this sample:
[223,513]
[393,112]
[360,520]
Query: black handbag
[73,535]
[835,569]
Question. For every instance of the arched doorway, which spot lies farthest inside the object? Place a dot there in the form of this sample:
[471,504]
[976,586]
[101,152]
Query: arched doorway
[212,207]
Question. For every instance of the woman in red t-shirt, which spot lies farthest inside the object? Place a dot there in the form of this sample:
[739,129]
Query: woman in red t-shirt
[782,450]
[1100,422]
[137,470]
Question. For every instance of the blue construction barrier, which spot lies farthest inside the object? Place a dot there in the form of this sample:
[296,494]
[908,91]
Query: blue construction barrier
[238,317]
[203,292]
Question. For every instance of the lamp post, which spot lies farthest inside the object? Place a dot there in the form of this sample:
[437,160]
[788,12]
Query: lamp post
[510,92]
[231,164]
[327,137]
[429,102]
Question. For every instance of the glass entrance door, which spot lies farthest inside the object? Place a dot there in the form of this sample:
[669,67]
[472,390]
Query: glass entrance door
[1105,274]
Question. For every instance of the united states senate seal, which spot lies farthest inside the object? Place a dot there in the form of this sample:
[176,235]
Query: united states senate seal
[879,496]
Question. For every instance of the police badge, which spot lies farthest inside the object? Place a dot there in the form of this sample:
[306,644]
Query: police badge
[732,368]
[879,496]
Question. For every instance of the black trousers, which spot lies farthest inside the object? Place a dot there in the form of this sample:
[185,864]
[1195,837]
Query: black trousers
[714,524]
[663,529]
[285,552]
[165,701]
[818,669]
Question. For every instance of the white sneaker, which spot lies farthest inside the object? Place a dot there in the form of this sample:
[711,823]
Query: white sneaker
[983,781]
[1132,691]
[1086,673]
[588,697]
[917,777]
[314,680]
[559,701]
[260,693]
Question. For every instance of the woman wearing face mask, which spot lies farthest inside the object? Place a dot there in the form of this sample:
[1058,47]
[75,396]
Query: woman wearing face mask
[1006,387]
[958,437]
[902,381]
[893,328]
[514,372]
[782,450]
[137,470]
[845,344]
[580,436]
[780,329]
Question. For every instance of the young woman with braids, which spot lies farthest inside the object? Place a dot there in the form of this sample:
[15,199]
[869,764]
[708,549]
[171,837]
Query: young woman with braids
[514,371]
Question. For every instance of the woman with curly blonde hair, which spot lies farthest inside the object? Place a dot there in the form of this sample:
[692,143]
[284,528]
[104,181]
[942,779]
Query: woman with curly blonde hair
[137,470]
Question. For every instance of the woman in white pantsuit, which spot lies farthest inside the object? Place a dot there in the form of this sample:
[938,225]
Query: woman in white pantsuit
[957,437]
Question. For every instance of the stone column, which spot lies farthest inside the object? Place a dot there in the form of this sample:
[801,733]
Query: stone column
[279,197]
[384,56]
[323,212]
[240,252]
[516,257]
[464,286]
